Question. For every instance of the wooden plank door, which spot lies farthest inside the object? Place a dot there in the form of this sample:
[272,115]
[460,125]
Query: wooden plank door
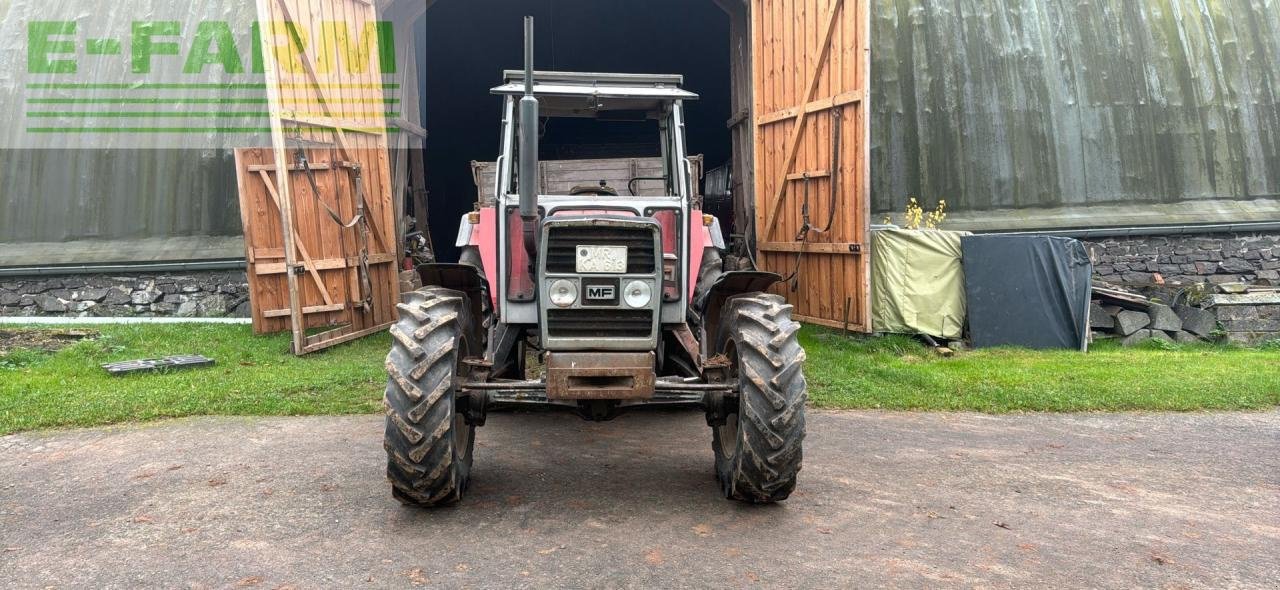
[321,245]
[810,62]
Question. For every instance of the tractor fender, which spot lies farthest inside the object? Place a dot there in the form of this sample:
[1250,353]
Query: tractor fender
[731,284]
[463,278]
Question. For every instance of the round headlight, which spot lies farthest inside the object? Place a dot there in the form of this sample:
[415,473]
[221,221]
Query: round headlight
[637,294]
[563,293]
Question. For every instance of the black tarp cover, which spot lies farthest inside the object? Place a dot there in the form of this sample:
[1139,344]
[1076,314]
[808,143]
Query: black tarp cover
[1029,291]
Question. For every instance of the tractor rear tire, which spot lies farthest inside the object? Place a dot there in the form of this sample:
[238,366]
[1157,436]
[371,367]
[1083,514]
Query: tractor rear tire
[428,441]
[758,449]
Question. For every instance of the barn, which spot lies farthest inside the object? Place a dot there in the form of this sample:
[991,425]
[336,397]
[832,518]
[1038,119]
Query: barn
[1151,129]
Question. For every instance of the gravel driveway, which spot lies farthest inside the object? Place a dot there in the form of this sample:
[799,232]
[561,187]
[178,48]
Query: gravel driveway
[885,499]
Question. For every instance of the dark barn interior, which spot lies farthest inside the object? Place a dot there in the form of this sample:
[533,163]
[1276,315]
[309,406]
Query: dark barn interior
[468,43]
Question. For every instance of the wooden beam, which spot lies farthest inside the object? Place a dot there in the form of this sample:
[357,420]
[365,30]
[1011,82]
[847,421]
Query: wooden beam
[793,142]
[824,104]
[326,339]
[294,168]
[334,123]
[292,240]
[852,326]
[274,268]
[813,247]
[314,309]
[271,75]
[409,127]
[737,119]
[810,174]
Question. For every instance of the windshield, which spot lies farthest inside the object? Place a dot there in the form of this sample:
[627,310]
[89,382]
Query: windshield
[612,153]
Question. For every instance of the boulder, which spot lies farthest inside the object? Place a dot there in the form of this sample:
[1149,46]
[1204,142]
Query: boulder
[90,294]
[241,310]
[146,296]
[1136,338]
[1198,321]
[1099,318]
[117,296]
[50,304]
[1236,265]
[189,309]
[1128,322]
[214,306]
[1184,337]
[1144,335]
[1163,318]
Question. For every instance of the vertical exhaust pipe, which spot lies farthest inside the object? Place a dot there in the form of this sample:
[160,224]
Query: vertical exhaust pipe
[529,148]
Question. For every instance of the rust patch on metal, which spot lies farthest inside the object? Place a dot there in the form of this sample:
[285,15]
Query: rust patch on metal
[600,375]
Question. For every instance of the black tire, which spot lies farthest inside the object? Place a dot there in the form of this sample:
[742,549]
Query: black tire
[428,442]
[758,449]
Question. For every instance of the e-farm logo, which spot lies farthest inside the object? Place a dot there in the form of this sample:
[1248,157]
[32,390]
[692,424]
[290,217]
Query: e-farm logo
[205,78]
[338,47]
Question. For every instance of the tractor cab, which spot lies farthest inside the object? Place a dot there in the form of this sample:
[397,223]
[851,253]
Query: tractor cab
[647,112]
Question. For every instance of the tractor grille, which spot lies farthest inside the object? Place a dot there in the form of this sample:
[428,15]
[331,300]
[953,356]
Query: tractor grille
[599,323]
[563,241]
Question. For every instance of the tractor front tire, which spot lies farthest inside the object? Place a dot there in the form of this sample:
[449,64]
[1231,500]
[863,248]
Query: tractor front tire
[428,442]
[758,448]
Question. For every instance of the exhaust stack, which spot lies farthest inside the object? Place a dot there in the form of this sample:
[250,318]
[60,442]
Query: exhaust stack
[529,148]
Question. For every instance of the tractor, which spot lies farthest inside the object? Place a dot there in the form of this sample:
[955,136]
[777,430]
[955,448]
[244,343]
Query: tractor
[598,301]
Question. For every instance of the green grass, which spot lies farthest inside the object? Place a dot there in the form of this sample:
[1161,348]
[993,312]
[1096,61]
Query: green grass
[898,373]
[256,376]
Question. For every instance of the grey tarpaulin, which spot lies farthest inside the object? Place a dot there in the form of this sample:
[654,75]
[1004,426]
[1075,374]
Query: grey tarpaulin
[1030,291]
[917,284]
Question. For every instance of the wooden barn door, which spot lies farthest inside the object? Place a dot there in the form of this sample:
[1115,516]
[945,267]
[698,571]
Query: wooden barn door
[810,70]
[320,230]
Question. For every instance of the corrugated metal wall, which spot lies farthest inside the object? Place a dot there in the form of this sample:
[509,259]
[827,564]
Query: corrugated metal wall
[62,187]
[104,197]
[995,104]
[62,195]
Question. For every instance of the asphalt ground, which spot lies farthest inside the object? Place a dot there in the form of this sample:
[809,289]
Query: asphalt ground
[884,500]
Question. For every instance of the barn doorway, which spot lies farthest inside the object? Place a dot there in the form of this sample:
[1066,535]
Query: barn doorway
[468,43]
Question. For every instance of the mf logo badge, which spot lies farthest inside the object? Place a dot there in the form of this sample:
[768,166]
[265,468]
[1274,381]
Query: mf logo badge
[602,259]
[601,292]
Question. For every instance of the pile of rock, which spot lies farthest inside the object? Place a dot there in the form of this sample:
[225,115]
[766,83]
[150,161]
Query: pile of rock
[1137,322]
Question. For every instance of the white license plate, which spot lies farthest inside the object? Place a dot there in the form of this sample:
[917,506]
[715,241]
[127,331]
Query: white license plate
[602,259]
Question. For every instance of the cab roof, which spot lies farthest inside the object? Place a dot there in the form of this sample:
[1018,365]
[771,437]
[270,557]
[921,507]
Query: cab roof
[584,94]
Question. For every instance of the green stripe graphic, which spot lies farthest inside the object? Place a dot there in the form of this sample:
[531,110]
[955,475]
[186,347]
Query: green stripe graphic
[119,100]
[192,129]
[178,115]
[227,86]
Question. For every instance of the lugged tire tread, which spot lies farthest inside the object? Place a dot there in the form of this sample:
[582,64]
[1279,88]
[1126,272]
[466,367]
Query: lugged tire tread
[419,406]
[771,421]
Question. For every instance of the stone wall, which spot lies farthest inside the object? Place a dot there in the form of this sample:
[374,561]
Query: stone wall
[1248,319]
[1188,259]
[188,294]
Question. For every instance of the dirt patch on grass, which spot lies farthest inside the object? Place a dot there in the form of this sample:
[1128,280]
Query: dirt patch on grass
[12,339]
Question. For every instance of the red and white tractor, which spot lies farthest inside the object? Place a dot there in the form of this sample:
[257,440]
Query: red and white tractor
[620,298]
